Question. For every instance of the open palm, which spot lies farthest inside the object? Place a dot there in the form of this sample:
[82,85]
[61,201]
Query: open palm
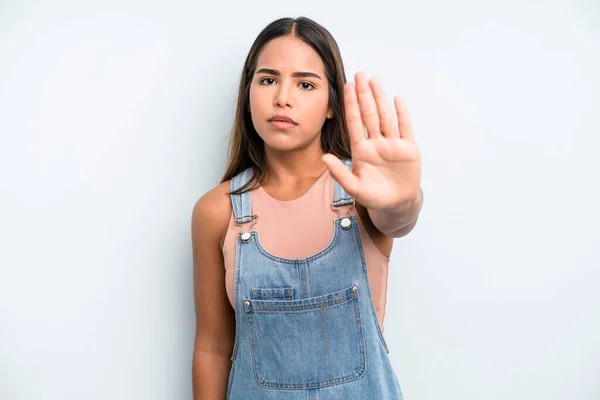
[386,162]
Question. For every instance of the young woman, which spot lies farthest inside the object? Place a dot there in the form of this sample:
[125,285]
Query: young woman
[328,177]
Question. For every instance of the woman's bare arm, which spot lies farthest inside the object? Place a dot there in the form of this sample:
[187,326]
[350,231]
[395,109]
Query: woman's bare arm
[215,318]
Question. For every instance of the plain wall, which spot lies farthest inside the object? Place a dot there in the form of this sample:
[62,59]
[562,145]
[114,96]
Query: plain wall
[115,118]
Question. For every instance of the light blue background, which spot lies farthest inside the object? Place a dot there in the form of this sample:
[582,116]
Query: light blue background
[114,120]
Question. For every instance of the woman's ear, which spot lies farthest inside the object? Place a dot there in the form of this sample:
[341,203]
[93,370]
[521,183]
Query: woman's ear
[330,113]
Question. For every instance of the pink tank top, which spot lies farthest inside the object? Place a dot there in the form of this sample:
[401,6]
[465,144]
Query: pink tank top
[300,228]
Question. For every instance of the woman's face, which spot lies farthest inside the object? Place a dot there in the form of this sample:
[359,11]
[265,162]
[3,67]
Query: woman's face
[289,81]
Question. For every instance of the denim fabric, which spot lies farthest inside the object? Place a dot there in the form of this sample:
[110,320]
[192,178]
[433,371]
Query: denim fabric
[306,328]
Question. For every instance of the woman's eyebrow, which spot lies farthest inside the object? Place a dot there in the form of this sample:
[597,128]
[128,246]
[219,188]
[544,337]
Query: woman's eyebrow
[295,74]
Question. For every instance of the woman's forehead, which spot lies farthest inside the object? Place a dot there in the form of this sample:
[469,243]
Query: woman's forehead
[289,54]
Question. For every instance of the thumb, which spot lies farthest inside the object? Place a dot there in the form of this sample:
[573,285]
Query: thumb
[341,173]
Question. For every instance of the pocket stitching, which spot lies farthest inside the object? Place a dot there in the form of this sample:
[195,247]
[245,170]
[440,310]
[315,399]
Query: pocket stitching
[267,293]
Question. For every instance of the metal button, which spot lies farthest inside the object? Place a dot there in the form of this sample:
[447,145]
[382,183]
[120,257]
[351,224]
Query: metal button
[346,223]
[247,302]
[246,237]
[354,289]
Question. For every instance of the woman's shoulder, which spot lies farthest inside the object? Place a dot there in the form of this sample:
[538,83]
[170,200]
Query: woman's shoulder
[213,210]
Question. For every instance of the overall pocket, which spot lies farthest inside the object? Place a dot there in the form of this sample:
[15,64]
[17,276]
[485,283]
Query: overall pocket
[307,343]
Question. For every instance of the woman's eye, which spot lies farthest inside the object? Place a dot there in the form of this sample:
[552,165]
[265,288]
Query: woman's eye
[307,86]
[271,80]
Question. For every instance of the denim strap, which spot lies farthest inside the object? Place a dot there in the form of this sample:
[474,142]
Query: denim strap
[340,196]
[242,203]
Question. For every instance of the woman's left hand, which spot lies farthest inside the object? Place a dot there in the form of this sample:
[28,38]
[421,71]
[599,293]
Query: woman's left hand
[386,164]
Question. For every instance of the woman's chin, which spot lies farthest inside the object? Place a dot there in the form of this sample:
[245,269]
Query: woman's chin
[282,143]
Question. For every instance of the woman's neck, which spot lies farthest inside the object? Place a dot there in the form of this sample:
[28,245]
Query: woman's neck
[293,170]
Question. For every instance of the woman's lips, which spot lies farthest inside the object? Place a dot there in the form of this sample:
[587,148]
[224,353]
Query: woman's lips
[281,125]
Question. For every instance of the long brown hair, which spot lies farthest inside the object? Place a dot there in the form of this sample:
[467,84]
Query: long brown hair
[246,148]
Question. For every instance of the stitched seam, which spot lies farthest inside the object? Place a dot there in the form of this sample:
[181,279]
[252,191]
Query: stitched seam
[312,303]
[325,343]
[371,305]
[266,293]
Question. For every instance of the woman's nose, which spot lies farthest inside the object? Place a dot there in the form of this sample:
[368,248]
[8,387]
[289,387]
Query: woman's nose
[282,97]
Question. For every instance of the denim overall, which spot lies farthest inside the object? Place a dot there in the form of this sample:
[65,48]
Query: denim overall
[306,328]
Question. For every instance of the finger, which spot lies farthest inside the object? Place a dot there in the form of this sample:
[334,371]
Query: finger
[366,103]
[404,122]
[341,173]
[353,119]
[387,120]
